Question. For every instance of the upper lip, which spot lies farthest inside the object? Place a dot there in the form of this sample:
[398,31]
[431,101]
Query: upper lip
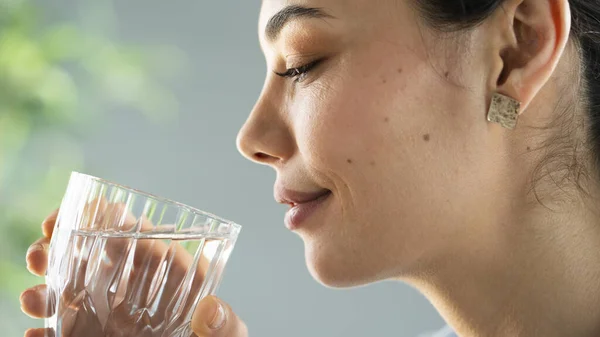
[293,198]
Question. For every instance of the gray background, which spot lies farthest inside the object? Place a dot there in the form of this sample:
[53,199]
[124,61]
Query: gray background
[192,158]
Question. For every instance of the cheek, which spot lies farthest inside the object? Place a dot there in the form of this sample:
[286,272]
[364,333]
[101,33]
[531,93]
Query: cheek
[355,117]
[389,129]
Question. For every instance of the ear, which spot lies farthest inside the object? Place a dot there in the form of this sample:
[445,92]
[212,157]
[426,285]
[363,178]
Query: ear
[532,36]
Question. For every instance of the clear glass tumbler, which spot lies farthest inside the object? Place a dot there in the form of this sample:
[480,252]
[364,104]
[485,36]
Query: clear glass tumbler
[126,263]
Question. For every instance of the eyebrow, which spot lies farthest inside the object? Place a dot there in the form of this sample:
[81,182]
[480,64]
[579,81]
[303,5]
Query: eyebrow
[289,13]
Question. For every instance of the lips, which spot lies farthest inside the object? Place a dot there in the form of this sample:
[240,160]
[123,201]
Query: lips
[303,204]
[293,198]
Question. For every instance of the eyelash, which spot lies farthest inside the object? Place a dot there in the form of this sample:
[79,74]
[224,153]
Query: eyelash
[298,74]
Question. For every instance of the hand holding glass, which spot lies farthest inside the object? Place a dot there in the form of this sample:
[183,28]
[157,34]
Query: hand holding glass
[125,263]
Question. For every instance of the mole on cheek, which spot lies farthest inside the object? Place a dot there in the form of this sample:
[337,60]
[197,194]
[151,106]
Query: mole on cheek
[349,161]
[372,163]
[399,70]
[387,119]
[447,74]
[426,137]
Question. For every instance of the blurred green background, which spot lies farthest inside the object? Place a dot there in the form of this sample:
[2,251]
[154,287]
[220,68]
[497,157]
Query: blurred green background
[56,80]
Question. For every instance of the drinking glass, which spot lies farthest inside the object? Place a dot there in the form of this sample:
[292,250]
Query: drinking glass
[127,263]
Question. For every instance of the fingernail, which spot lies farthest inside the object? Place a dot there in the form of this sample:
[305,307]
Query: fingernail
[27,298]
[30,257]
[47,229]
[213,312]
[219,319]
[35,247]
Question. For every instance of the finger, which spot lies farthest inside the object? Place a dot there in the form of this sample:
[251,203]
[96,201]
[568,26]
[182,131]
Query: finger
[93,213]
[39,333]
[37,256]
[78,319]
[214,318]
[34,302]
[117,216]
[49,223]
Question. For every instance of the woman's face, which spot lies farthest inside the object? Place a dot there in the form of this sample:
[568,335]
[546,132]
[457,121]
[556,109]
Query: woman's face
[388,119]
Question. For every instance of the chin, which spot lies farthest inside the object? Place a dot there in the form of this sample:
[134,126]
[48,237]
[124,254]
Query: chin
[337,270]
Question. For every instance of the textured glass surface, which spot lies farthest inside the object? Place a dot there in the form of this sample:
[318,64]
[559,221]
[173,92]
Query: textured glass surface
[126,263]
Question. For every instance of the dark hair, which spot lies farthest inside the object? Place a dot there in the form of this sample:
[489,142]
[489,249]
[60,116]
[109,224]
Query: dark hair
[456,15]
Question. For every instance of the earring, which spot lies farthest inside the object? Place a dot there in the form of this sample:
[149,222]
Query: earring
[504,111]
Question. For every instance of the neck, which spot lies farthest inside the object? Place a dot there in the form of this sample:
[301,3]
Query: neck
[539,278]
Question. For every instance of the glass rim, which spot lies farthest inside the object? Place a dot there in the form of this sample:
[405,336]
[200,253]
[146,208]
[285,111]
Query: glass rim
[155,197]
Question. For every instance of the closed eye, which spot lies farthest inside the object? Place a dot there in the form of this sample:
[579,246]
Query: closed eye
[299,73]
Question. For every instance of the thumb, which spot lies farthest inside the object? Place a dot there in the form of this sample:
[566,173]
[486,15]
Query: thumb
[214,318]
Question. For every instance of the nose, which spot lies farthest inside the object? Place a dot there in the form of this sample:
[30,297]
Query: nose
[265,138]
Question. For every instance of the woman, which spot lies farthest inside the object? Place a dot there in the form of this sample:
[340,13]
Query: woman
[450,144]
